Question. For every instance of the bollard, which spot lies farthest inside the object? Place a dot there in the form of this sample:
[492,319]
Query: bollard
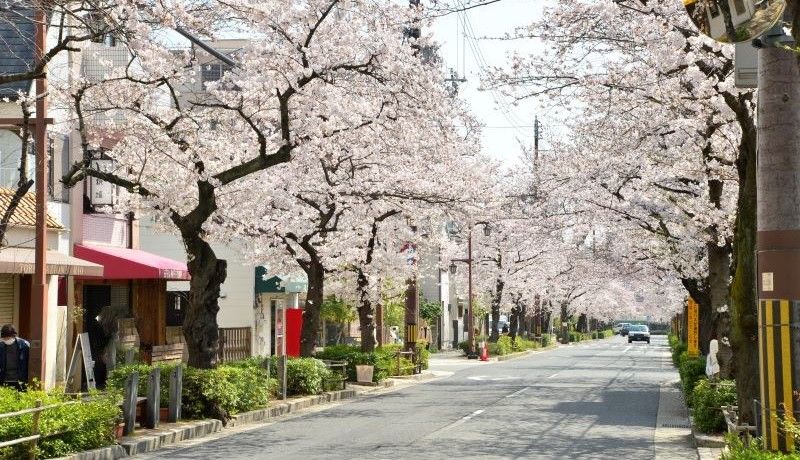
[175,394]
[282,375]
[129,403]
[153,399]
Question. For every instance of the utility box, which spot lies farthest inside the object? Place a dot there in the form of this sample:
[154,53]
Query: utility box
[294,326]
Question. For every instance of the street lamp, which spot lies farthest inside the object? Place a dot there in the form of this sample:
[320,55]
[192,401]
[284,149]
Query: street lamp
[487,230]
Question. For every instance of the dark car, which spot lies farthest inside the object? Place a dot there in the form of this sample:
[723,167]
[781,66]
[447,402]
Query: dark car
[639,333]
[626,327]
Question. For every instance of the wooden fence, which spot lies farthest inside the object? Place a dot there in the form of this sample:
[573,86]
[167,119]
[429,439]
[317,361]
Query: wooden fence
[36,435]
[234,343]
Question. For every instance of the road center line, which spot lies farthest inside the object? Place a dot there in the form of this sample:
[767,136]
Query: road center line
[553,375]
[627,348]
[517,393]
[477,412]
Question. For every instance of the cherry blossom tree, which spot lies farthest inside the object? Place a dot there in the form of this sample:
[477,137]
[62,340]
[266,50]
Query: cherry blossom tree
[314,79]
[661,140]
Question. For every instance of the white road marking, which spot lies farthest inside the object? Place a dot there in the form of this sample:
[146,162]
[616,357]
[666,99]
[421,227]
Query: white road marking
[492,379]
[627,349]
[477,412]
[553,375]
[517,393]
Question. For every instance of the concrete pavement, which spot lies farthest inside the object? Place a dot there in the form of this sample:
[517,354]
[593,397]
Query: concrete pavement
[594,400]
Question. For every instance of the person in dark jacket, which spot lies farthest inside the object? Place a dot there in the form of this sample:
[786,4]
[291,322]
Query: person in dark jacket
[14,354]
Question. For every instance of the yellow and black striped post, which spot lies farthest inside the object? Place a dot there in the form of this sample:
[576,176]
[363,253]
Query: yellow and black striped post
[777,370]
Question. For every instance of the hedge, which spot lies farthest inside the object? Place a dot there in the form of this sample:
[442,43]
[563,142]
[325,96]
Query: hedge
[218,393]
[66,429]
[706,403]
[384,359]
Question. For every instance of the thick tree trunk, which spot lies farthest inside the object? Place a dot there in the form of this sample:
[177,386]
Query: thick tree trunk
[582,325]
[497,299]
[366,313]
[564,323]
[744,328]
[312,317]
[200,324]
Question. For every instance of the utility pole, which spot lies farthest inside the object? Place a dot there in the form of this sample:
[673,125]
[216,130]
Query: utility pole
[778,236]
[412,296]
[38,313]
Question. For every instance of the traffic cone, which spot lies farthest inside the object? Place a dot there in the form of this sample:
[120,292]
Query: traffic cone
[484,352]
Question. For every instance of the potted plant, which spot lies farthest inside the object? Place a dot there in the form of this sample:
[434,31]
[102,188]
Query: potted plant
[365,367]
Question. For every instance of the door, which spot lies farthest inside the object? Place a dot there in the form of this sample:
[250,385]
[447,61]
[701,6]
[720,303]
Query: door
[96,300]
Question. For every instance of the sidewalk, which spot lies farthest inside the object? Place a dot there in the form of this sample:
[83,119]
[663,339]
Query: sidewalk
[673,434]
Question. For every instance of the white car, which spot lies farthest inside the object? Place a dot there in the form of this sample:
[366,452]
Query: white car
[639,333]
[619,327]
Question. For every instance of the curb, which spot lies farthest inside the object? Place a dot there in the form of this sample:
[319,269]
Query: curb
[520,354]
[419,377]
[152,440]
[288,407]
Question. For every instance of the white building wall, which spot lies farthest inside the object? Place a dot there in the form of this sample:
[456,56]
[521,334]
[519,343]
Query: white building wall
[237,292]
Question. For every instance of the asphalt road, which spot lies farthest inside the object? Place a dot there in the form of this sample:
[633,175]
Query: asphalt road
[594,400]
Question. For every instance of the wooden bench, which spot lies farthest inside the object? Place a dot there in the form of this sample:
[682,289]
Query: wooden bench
[339,376]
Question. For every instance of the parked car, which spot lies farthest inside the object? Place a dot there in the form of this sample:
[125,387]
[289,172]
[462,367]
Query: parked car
[639,333]
[617,328]
[624,328]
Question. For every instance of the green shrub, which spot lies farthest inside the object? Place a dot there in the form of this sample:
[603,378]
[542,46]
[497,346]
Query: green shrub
[521,344]
[754,451]
[503,346]
[305,376]
[706,403]
[691,370]
[677,347]
[67,429]
[424,353]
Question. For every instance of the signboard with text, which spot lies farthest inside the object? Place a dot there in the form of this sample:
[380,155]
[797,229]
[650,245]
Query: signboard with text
[693,328]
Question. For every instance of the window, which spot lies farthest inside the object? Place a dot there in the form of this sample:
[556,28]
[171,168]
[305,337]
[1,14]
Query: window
[99,193]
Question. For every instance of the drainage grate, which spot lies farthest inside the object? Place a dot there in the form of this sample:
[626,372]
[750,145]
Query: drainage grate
[675,425]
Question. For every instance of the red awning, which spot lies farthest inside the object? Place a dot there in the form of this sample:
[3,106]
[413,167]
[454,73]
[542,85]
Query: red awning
[124,263]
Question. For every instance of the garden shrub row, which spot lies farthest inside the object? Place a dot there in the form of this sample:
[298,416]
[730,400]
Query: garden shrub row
[66,429]
[504,346]
[704,398]
[384,360]
[219,393]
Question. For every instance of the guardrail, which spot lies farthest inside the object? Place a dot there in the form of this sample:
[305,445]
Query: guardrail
[35,436]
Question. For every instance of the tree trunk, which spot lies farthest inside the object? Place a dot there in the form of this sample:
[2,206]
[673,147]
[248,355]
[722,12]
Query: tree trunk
[497,299]
[744,328]
[366,313]
[582,323]
[312,317]
[730,30]
[200,324]
[564,323]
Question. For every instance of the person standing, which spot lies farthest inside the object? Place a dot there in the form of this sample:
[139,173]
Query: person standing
[14,354]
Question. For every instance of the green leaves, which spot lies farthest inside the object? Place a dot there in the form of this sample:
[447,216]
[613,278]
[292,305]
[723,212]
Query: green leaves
[66,429]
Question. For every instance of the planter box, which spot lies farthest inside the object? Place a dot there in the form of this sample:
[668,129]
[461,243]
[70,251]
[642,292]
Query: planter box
[364,373]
